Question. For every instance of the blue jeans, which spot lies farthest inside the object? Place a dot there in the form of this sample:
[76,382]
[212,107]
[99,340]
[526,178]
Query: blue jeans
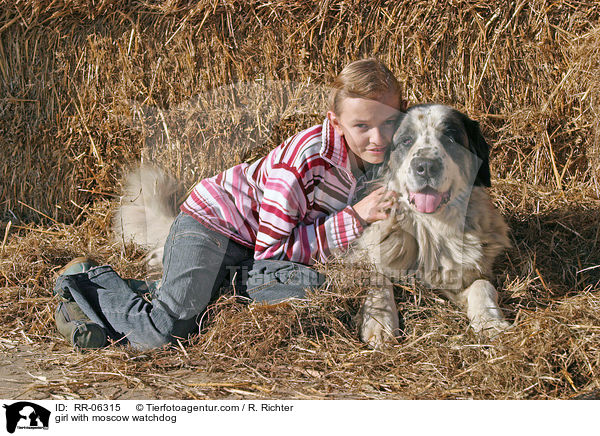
[198,266]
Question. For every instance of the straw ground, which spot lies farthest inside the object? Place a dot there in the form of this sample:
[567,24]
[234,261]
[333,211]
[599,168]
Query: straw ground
[92,87]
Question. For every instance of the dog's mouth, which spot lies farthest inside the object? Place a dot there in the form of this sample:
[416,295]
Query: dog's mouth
[428,200]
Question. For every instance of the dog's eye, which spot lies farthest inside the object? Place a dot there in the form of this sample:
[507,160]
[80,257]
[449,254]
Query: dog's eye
[452,135]
[406,141]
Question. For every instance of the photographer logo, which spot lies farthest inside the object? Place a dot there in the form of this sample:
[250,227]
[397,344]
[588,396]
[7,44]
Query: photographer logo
[24,415]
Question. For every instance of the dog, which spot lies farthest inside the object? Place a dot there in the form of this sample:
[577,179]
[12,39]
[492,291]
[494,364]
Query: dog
[443,230]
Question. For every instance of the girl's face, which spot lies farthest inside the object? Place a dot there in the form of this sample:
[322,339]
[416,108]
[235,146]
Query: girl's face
[367,125]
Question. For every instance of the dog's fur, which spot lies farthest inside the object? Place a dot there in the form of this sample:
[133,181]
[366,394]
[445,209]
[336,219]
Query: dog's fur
[147,209]
[443,230]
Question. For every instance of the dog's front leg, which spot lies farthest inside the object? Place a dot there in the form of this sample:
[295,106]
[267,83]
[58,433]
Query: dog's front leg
[482,308]
[377,319]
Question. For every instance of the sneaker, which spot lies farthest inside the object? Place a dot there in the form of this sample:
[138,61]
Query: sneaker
[78,265]
[77,328]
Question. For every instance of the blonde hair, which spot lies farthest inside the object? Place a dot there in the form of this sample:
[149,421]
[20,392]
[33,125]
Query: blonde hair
[365,78]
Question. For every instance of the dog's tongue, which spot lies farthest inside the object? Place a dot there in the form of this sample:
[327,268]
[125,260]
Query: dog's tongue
[427,200]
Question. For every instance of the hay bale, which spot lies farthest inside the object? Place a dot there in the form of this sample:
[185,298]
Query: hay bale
[74,75]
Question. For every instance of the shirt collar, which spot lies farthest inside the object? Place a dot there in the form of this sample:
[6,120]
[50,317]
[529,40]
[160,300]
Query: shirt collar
[334,146]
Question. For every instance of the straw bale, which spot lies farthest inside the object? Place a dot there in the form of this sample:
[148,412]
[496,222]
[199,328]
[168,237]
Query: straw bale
[77,75]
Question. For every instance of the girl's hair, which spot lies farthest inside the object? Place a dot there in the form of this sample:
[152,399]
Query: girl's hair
[365,78]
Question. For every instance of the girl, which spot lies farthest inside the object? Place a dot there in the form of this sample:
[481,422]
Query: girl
[256,226]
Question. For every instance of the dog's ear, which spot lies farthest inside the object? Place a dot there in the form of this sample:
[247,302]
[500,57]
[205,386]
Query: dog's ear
[396,135]
[480,147]
[395,138]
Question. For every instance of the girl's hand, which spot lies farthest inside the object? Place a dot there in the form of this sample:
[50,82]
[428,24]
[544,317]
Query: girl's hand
[375,206]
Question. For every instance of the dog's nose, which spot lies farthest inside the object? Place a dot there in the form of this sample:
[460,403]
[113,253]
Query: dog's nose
[425,167]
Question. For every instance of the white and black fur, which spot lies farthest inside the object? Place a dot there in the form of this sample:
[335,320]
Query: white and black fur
[444,230]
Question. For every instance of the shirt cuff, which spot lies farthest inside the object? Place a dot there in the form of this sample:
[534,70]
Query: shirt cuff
[360,223]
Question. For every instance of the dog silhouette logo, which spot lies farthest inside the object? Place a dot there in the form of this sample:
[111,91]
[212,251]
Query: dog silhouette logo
[26,415]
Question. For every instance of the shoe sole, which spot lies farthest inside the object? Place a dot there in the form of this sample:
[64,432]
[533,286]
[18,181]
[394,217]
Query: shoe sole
[76,261]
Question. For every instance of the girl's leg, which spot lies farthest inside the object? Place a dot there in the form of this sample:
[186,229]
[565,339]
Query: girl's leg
[195,266]
[272,281]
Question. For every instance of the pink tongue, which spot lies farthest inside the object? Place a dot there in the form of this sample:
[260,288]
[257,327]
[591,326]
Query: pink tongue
[427,202]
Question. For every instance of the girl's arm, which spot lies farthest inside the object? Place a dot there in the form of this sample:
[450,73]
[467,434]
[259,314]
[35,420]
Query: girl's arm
[283,235]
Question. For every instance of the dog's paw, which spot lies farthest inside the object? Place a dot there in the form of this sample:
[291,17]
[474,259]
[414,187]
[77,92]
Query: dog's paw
[486,317]
[377,330]
[377,319]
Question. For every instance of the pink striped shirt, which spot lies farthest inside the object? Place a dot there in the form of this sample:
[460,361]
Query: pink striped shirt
[292,204]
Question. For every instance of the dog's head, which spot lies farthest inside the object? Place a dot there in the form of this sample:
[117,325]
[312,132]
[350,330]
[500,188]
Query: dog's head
[438,154]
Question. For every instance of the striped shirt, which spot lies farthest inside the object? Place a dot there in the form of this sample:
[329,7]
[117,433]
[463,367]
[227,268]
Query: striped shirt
[292,204]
